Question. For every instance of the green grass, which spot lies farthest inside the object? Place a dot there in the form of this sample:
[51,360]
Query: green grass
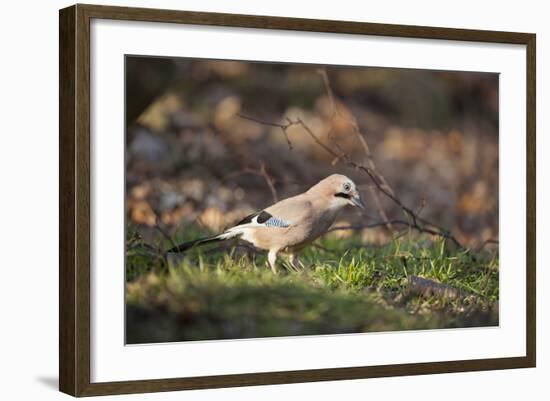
[346,287]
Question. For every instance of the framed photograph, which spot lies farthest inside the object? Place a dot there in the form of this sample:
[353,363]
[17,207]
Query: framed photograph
[250,200]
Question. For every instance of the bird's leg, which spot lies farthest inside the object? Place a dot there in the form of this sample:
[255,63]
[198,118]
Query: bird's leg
[272,258]
[294,262]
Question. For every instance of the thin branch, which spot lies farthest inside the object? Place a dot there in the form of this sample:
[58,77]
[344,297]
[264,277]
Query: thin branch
[377,178]
[394,222]
[421,207]
[261,172]
[269,180]
[328,88]
[362,141]
[159,228]
[282,127]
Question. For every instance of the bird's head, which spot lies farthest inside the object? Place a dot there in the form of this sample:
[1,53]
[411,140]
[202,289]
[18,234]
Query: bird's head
[340,190]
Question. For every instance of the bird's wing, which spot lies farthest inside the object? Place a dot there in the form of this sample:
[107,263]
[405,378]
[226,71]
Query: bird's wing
[285,213]
[263,218]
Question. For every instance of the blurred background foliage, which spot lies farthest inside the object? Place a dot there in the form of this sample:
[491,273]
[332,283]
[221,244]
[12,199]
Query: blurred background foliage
[191,160]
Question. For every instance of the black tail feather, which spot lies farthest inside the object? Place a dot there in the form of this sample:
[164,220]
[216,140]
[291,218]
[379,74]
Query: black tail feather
[188,245]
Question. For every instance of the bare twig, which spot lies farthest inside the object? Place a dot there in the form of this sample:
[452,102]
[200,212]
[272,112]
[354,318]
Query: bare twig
[416,221]
[283,128]
[380,209]
[261,172]
[421,207]
[269,180]
[362,141]
[328,88]
[378,179]
[384,223]
[159,228]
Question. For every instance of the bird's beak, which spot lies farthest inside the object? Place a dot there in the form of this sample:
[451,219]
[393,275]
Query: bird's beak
[356,201]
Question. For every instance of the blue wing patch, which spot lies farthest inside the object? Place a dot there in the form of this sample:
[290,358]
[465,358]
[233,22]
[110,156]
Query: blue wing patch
[276,222]
[269,220]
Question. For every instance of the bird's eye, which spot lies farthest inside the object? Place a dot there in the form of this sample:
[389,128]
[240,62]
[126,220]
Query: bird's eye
[347,186]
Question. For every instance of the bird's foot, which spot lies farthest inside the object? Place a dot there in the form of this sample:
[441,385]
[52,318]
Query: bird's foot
[291,267]
[295,263]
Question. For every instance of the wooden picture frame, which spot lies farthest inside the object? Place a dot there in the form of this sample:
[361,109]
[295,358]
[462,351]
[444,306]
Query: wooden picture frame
[74,204]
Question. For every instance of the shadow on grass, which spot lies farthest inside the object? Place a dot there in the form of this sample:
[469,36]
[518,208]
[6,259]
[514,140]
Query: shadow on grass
[210,305]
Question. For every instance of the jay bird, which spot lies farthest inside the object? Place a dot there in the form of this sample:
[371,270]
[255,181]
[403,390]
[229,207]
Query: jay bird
[291,224]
